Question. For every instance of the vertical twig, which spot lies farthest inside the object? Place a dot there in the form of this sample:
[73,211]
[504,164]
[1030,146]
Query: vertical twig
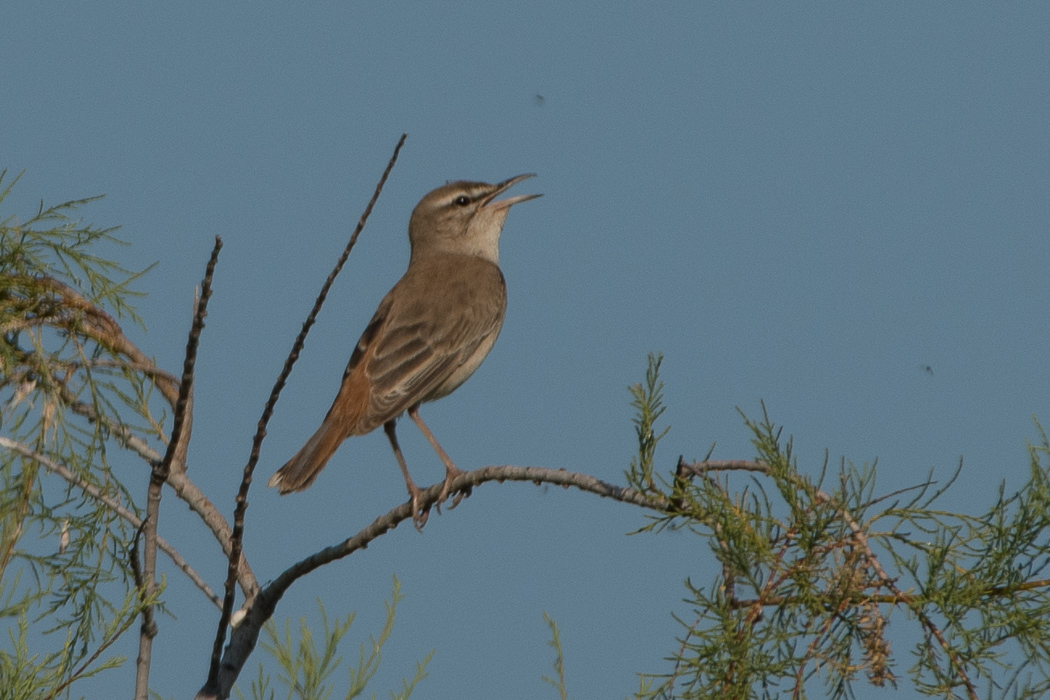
[159,475]
[149,625]
[260,434]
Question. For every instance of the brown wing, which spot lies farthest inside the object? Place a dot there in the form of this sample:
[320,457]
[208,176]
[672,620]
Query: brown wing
[431,324]
[428,335]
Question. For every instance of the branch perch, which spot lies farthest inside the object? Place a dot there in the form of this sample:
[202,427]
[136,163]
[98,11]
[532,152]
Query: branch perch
[246,634]
[260,434]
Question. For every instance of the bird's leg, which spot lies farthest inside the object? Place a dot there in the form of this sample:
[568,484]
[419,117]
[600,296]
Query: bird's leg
[451,470]
[419,518]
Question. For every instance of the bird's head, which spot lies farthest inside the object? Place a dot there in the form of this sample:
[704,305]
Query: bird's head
[463,218]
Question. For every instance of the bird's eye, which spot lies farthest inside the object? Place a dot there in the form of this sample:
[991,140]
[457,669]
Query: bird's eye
[462,200]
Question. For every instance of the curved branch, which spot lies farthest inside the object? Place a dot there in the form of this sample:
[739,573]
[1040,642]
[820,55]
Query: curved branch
[246,633]
[72,310]
[463,483]
[260,433]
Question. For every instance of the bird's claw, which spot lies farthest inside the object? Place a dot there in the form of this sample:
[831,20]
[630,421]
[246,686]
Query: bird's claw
[457,496]
[419,514]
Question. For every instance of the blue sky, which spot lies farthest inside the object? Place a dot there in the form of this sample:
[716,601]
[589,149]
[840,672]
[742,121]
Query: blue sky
[801,204]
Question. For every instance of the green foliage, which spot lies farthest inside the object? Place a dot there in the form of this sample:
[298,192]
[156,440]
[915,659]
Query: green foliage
[810,569]
[67,386]
[647,401]
[558,683]
[810,574]
[53,244]
[306,668]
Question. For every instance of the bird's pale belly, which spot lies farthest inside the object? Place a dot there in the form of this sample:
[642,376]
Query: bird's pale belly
[465,370]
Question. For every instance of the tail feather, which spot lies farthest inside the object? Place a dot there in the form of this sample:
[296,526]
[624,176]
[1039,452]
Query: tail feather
[301,470]
[343,420]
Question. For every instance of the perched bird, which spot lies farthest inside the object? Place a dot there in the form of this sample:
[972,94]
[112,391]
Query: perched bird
[431,331]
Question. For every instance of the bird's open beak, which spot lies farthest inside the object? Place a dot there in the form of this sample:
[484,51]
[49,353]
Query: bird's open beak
[502,187]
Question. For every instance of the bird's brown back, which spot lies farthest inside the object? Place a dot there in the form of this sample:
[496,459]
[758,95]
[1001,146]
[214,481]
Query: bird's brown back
[406,356]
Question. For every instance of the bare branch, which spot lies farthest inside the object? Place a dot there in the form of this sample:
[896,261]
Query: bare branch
[180,435]
[245,635]
[260,434]
[465,483]
[148,630]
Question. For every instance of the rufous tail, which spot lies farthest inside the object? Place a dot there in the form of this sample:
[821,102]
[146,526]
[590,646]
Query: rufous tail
[303,468]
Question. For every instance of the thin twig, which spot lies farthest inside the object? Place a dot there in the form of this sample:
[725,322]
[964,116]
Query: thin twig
[115,506]
[184,488]
[159,474]
[260,434]
[95,323]
[148,629]
[116,634]
[140,583]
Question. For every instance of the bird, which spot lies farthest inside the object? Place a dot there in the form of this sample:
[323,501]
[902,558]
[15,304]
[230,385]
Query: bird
[430,333]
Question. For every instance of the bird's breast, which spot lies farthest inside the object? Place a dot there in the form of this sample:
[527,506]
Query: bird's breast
[463,372]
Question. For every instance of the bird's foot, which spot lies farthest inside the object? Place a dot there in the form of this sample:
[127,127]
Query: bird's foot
[451,472]
[419,514]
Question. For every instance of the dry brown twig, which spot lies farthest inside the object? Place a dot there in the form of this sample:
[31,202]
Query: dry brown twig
[260,434]
[57,304]
[177,446]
